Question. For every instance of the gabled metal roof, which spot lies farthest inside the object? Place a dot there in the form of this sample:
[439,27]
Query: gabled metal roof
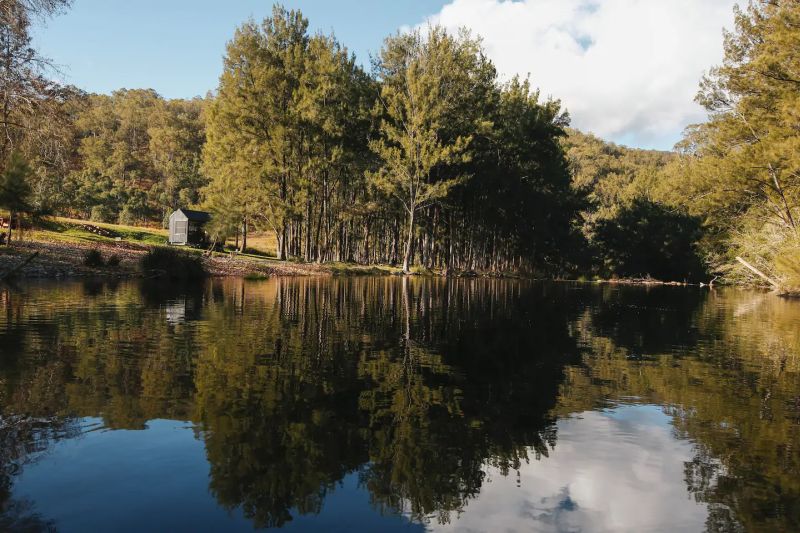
[196,216]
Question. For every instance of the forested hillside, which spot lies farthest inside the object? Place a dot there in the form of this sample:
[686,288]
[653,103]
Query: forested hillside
[132,157]
[740,170]
[425,159]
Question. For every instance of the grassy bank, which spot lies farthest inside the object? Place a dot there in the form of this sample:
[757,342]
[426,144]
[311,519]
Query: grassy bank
[62,245]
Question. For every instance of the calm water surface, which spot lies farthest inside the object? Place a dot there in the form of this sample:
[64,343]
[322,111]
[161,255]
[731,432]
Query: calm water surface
[385,404]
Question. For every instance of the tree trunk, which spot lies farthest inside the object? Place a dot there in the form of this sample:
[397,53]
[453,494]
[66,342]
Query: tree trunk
[409,242]
[279,248]
[282,241]
[244,235]
[760,274]
[10,218]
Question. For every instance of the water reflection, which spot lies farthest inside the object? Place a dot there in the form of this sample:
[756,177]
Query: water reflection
[584,486]
[452,404]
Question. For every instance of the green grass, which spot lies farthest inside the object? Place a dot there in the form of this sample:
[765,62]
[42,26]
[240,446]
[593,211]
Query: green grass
[69,230]
[351,269]
[260,246]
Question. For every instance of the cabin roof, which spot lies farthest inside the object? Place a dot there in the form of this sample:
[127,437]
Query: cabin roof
[196,216]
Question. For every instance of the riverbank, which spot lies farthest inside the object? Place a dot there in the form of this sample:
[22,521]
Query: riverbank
[66,260]
[60,247]
[60,259]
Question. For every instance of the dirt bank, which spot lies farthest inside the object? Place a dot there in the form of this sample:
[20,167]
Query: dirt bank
[62,260]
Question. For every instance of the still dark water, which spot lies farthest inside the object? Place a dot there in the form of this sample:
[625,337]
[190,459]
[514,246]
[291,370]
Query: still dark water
[385,404]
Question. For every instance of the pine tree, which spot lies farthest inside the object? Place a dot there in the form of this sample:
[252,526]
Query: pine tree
[15,191]
[252,130]
[419,78]
[745,174]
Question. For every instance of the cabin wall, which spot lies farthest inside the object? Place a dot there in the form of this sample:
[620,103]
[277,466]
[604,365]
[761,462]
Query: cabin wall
[178,228]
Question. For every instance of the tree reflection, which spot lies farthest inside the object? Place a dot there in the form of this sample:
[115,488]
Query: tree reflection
[415,384]
[323,377]
[736,397]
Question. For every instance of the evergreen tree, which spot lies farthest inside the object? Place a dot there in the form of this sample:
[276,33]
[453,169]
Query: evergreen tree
[253,133]
[420,76]
[743,173]
[15,191]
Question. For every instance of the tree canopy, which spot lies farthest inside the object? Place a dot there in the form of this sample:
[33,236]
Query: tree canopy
[426,160]
[741,168]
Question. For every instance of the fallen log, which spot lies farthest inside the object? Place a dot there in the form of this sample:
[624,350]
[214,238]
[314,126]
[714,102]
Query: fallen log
[772,282]
[17,268]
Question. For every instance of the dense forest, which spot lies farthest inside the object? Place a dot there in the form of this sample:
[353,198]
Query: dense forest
[426,159]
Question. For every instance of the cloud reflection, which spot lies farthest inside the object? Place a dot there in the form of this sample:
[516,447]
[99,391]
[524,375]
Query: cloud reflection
[614,470]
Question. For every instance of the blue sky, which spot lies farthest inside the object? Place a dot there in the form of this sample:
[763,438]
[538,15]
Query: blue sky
[176,46]
[627,70]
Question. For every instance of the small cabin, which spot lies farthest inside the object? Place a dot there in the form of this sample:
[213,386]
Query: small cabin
[186,227]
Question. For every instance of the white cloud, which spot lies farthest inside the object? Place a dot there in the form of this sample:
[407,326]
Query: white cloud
[627,70]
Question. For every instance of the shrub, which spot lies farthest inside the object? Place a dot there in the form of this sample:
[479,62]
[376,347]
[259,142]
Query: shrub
[648,239]
[127,216]
[172,264]
[101,213]
[93,258]
[113,261]
[787,264]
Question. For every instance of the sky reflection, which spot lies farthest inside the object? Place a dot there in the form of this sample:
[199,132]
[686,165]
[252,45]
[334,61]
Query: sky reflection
[614,470]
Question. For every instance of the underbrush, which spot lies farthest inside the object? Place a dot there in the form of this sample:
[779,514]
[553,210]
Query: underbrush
[172,264]
[94,258]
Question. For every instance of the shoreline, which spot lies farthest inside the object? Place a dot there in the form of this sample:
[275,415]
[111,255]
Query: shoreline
[64,260]
[59,260]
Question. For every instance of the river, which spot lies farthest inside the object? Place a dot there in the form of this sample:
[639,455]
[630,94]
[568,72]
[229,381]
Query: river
[397,404]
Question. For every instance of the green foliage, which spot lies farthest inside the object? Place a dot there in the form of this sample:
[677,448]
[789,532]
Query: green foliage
[29,98]
[646,239]
[101,213]
[423,81]
[93,258]
[286,132]
[15,189]
[138,155]
[787,264]
[741,171]
[626,196]
[610,176]
[430,161]
[222,201]
[172,264]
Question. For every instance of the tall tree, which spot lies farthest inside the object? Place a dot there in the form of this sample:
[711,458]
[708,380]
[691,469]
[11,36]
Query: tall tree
[286,125]
[420,77]
[744,170]
[15,191]
[252,132]
[25,87]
